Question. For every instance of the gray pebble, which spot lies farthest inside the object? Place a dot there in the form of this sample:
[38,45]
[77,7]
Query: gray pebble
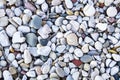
[86,58]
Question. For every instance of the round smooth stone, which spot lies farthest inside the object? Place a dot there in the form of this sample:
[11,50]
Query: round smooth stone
[111,11]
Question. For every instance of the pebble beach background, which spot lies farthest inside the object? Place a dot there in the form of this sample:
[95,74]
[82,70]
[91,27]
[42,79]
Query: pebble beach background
[59,39]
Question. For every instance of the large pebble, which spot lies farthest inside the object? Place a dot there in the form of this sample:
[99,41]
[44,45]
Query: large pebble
[114,70]
[72,39]
[18,37]
[44,50]
[69,4]
[36,22]
[86,58]
[111,11]
[31,39]
[89,10]
[10,30]
[102,26]
[60,72]
[7,75]
[56,2]
[116,57]
[4,40]
[24,29]
[3,21]
[2,12]
[78,52]
[27,57]
[98,78]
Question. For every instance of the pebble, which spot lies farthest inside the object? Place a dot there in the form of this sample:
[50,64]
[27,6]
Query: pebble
[102,26]
[77,62]
[27,57]
[60,72]
[38,70]
[44,7]
[108,2]
[98,78]
[4,40]
[31,39]
[75,75]
[78,52]
[3,63]
[58,21]
[3,21]
[29,6]
[18,37]
[68,4]
[44,42]
[11,57]
[17,20]
[93,52]
[84,73]
[17,11]
[25,18]
[36,22]
[114,70]
[86,58]
[56,2]
[2,12]
[89,10]
[42,77]
[7,75]
[60,48]
[15,63]
[10,30]
[12,70]
[69,77]
[75,25]
[44,50]
[85,48]
[105,76]
[45,69]
[87,67]
[116,57]
[98,45]
[24,29]
[31,73]
[111,11]
[1,53]
[40,1]
[72,39]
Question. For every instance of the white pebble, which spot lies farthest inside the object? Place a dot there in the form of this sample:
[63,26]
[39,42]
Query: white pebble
[116,57]
[111,11]
[27,57]
[114,70]
[78,52]
[7,75]
[102,26]
[98,45]
[11,57]
[69,4]
[98,78]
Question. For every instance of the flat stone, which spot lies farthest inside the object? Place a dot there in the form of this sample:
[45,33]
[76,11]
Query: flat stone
[4,40]
[72,39]
[7,75]
[69,4]
[93,52]
[56,2]
[89,10]
[18,37]
[24,29]
[31,39]
[2,12]
[60,48]
[60,72]
[10,30]
[36,22]
[116,57]
[102,26]
[3,21]
[78,52]
[111,11]
[86,58]
[44,50]
[27,57]
[114,70]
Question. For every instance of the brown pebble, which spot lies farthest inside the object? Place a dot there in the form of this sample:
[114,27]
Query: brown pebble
[77,62]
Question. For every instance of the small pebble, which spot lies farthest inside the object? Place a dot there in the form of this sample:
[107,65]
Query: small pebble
[60,72]
[7,75]
[86,58]
[27,57]
[77,62]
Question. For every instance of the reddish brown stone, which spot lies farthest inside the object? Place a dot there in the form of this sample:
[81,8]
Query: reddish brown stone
[74,1]
[101,5]
[77,62]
